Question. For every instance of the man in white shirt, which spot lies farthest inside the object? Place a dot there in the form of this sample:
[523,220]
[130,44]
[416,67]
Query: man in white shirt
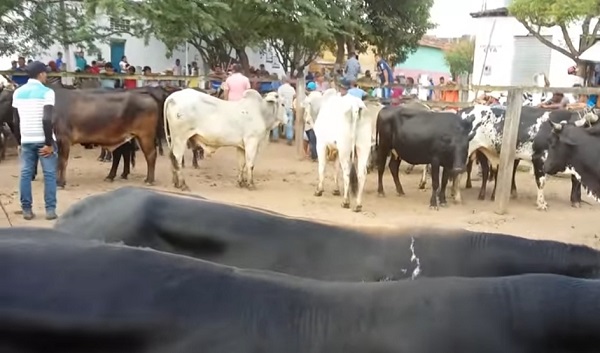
[309,133]
[287,93]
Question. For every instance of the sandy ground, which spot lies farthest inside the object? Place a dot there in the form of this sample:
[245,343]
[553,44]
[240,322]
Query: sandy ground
[286,184]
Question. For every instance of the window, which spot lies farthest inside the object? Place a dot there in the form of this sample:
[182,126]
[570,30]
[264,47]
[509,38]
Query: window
[119,25]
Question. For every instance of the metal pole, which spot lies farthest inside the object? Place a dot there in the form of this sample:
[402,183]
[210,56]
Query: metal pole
[187,50]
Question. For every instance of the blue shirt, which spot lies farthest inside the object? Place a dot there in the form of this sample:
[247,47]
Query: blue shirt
[592,100]
[20,80]
[59,64]
[357,92]
[383,66]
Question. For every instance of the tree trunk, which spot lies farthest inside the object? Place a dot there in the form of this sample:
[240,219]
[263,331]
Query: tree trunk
[340,54]
[350,45]
[244,60]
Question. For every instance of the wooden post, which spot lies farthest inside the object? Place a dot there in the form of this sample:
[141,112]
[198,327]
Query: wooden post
[299,119]
[512,119]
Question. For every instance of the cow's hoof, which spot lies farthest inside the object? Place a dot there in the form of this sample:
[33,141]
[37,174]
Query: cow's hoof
[543,207]
[434,208]
[319,193]
[381,194]
[400,193]
[196,166]
[151,183]
[514,195]
[336,193]
[357,208]
[109,179]
[345,204]
[443,204]
[241,183]
[124,177]
[186,188]
[422,186]
[468,186]
[576,204]
[251,186]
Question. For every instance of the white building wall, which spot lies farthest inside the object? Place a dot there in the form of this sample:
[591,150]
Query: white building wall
[500,47]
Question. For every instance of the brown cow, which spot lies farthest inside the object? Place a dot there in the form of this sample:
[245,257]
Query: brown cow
[107,119]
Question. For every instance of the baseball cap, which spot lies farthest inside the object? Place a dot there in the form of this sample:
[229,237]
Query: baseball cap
[311,86]
[35,68]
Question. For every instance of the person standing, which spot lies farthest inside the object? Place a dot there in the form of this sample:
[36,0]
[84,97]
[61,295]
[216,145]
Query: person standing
[352,68]
[59,61]
[80,61]
[309,120]
[287,93]
[385,76]
[33,106]
[20,79]
[236,84]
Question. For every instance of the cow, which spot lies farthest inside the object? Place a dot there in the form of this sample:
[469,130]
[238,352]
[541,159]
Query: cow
[423,137]
[113,298]
[127,151]
[3,140]
[260,239]
[213,123]
[341,126]
[104,118]
[572,144]
[344,127]
[532,144]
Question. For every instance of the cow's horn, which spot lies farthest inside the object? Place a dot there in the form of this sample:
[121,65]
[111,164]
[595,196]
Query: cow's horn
[556,126]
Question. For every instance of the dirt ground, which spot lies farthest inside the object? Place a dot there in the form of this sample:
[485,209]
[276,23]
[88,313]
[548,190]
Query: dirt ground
[286,184]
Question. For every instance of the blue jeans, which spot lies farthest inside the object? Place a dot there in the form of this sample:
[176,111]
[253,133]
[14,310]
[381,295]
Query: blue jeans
[29,159]
[289,127]
[312,143]
[385,92]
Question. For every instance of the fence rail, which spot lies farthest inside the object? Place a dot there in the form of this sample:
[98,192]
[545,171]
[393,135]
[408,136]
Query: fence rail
[447,87]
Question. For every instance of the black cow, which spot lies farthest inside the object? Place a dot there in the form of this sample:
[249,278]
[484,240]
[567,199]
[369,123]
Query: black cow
[579,147]
[532,144]
[422,137]
[127,151]
[270,241]
[77,296]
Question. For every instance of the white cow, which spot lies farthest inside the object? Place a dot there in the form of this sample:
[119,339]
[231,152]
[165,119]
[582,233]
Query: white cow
[341,126]
[213,123]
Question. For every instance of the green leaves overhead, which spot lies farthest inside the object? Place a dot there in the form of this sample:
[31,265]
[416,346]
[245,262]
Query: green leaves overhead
[537,14]
[297,29]
[460,57]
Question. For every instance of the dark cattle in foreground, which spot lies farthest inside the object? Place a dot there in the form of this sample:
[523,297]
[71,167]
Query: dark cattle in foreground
[265,240]
[111,298]
[532,144]
[105,118]
[422,137]
[579,147]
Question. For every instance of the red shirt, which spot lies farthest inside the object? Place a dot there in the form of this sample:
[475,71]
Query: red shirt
[95,70]
[129,84]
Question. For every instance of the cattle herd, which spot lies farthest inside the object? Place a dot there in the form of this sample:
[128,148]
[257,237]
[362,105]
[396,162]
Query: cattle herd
[358,136]
[137,270]
[134,270]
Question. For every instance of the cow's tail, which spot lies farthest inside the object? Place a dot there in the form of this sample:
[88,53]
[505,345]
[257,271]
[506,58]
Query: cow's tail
[166,121]
[353,173]
[134,144]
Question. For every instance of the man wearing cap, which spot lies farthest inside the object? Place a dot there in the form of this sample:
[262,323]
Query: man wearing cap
[309,120]
[33,106]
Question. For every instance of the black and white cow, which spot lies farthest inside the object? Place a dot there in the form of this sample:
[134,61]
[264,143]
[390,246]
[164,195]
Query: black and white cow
[81,296]
[532,144]
[573,144]
[422,137]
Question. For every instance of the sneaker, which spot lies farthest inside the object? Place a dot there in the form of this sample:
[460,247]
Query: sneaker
[28,215]
[51,215]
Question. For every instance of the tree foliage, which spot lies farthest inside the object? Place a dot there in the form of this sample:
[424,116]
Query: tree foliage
[536,15]
[27,26]
[460,57]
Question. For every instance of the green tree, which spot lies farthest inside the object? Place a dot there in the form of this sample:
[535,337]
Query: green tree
[535,15]
[460,57]
[297,31]
[38,24]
